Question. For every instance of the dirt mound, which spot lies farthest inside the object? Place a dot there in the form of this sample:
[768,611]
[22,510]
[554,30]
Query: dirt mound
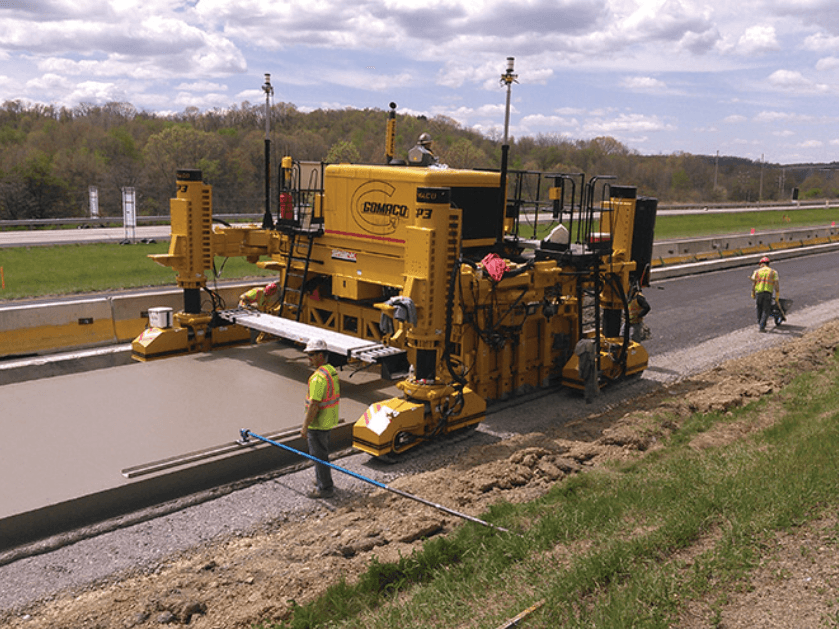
[245,580]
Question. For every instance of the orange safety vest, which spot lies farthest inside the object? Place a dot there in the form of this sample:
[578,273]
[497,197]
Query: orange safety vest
[765,278]
[324,382]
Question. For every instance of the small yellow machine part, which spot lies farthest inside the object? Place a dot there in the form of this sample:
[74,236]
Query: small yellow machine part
[637,360]
[189,333]
[385,423]
[396,425]
[160,343]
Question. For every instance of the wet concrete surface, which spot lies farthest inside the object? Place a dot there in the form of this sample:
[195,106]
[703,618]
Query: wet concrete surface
[72,435]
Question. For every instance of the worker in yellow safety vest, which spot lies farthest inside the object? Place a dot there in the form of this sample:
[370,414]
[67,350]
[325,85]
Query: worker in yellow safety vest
[258,297]
[765,281]
[322,403]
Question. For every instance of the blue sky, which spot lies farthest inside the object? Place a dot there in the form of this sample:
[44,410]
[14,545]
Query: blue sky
[749,78]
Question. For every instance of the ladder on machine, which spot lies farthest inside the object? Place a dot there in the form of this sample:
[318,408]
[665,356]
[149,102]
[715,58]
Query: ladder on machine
[291,297]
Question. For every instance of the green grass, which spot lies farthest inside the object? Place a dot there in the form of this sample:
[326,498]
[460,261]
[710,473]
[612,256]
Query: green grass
[618,547]
[70,269]
[691,225]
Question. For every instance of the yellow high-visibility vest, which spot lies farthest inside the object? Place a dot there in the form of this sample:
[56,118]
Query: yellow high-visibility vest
[325,391]
[765,279]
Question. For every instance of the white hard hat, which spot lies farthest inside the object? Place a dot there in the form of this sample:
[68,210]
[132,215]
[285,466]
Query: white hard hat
[315,345]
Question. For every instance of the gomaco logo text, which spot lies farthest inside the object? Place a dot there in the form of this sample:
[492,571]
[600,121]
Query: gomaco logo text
[385,209]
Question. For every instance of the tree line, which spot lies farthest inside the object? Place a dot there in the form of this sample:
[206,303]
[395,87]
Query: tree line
[50,156]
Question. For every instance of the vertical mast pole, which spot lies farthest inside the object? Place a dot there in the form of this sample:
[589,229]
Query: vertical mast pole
[508,78]
[267,219]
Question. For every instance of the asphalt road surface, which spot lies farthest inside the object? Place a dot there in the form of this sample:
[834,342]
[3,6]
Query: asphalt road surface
[690,310]
[42,237]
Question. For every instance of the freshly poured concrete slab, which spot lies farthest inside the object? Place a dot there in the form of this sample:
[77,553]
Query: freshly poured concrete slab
[72,435]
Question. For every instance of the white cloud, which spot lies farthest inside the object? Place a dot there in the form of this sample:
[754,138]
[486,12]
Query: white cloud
[700,43]
[623,124]
[201,86]
[758,40]
[570,111]
[793,80]
[643,84]
[780,116]
[821,42]
[540,123]
[94,92]
[827,64]
[50,81]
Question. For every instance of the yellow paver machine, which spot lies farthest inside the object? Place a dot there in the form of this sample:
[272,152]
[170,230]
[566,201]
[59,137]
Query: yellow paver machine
[425,271]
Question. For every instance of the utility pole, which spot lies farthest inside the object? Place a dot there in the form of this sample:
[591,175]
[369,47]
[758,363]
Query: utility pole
[760,190]
[716,169]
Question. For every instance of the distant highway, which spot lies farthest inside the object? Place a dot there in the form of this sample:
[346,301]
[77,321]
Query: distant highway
[43,237]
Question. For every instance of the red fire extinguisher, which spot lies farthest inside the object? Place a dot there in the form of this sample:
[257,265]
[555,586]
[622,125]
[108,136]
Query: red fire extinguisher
[286,206]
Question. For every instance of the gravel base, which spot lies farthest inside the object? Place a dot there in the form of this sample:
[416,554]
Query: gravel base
[96,557]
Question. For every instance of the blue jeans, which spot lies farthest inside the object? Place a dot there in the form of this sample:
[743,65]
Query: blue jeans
[319,448]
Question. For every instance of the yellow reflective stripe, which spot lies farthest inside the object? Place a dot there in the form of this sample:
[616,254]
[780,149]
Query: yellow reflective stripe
[331,398]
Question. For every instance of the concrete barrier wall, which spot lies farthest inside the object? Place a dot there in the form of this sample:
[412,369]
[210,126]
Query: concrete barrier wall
[56,326]
[697,249]
[32,329]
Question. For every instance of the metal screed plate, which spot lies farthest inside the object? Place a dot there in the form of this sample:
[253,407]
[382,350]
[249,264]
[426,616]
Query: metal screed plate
[343,344]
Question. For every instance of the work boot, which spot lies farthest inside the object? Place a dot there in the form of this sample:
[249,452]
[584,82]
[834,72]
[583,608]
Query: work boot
[322,493]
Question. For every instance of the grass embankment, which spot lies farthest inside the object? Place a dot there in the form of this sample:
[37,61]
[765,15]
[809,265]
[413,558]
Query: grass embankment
[628,545]
[69,269]
[711,224]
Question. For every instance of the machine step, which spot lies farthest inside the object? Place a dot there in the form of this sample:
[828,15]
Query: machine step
[353,348]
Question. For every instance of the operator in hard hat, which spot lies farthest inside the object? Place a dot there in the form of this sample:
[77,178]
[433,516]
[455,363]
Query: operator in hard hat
[258,297]
[765,281]
[322,401]
[421,154]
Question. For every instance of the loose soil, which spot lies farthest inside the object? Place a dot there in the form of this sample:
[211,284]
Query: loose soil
[244,580]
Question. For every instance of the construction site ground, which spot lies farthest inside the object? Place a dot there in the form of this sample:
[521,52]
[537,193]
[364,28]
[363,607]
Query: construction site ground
[251,571]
